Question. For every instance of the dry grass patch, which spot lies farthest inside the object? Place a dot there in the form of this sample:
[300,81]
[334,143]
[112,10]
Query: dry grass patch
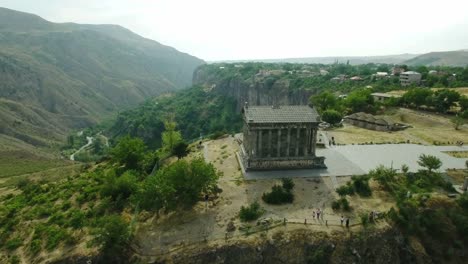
[426,128]
[458,176]
[458,154]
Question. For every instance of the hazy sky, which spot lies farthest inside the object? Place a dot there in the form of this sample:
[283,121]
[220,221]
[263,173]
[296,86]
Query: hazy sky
[255,29]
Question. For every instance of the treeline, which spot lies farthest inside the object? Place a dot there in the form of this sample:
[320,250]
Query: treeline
[197,112]
[313,77]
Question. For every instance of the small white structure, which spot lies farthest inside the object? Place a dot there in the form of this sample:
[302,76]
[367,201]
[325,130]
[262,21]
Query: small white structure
[381,75]
[410,77]
[324,72]
[382,97]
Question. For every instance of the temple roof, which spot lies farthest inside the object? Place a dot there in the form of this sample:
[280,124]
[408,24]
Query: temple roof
[281,114]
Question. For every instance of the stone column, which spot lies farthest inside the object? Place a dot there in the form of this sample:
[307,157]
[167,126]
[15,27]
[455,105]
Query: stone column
[254,143]
[314,141]
[278,151]
[269,142]
[260,132]
[306,141]
[298,130]
[289,142]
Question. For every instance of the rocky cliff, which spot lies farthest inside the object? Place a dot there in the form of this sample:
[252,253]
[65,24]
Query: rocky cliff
[254,88]
[305,246]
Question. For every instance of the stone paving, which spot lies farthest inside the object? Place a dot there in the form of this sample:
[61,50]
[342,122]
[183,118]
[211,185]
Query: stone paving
[360,159]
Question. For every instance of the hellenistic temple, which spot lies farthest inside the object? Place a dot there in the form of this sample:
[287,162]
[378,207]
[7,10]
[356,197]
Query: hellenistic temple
[280,137]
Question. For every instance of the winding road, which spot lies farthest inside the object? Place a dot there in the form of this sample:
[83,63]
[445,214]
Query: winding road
[90,141]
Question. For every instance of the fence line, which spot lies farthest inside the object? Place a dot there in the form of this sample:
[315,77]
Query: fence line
[245,232]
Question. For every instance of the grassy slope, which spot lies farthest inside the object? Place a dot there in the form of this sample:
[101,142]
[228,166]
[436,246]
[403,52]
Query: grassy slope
[446,58]
[56,77]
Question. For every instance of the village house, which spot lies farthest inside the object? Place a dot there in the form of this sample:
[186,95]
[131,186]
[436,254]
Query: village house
[382,97]
[410,77]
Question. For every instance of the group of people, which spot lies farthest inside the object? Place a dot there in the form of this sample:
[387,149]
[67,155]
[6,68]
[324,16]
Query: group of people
[345,220]
[319,213]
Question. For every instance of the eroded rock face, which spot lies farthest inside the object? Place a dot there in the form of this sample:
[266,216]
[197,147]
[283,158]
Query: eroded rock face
[305,246]
[255,91]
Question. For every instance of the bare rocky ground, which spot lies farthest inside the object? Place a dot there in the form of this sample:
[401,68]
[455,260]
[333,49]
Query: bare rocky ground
[205,226]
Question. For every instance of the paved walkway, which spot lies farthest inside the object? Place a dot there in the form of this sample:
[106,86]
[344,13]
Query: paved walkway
[360,159]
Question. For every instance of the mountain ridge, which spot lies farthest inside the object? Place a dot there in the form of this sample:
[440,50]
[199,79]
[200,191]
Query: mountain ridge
[82,73]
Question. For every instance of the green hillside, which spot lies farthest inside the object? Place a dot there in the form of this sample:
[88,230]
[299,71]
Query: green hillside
[445,58]
[196,111]
[57,77]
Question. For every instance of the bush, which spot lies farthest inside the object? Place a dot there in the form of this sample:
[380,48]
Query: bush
[15,260]
[278,195]
[332,116]
[336,205]
[345,204]
[342,203]
[14,243]
[347,189]
[364,219]
[36,246]
[112,235]
[361,185]
[288,184]
[251,212]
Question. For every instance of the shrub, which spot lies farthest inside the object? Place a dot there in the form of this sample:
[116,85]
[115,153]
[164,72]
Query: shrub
[364,219]
[36,246]
[14,243]
[361,185]
[112,235]
[336,205]
[278,195]
[251,212]
[15,260]
[77,219]
[345,204]
[288,184]
[332,116]
[347,189]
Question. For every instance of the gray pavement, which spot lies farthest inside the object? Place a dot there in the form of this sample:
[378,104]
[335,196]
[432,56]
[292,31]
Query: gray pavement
[360,159]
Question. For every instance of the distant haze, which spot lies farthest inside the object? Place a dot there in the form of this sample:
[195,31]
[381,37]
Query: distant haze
[261,29]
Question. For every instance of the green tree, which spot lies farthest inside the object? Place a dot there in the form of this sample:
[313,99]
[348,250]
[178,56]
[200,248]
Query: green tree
[179,184]
[323,101]
[332,116]
[120,188]
[360,100]
[129,152]
[444,99]
[458,121]
[171,136]
[97,146]
[417,96]
[180,149]
[112,235]
[463,103]
[429,162]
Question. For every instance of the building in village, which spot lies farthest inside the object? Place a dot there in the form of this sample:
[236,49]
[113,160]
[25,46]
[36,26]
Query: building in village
[280,137]
[410,77]
[382,97]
